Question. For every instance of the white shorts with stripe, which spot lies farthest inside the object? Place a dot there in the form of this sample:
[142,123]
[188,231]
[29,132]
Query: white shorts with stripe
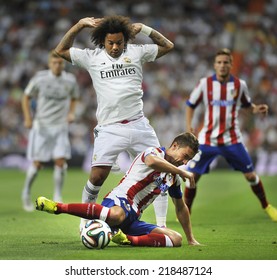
[48,143]
[133,137]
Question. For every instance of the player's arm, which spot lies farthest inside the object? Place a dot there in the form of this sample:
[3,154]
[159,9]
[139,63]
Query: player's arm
[164,44]
[188,118]
[161,165]
[67,41]
[195,98]
[183,216]
[71,112]
[25,104]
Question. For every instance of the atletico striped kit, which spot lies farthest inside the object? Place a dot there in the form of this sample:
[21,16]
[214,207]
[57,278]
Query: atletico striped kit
[141,184]
[222,102]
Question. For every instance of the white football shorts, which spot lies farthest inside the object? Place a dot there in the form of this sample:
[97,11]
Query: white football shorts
[48,143]
[133,137]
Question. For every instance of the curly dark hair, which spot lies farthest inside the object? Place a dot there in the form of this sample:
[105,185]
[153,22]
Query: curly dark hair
[112,24]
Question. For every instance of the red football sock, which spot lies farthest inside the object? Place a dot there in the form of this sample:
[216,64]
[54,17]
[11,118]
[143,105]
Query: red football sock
[258,190]
[189,196]
[150,240]
[83,210]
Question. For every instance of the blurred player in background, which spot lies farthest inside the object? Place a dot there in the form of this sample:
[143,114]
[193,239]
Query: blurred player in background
[55,93]
[115,67]
[223,95]
[152,172]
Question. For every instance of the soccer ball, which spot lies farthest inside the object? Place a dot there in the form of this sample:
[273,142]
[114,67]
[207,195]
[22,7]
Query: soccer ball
[96,234]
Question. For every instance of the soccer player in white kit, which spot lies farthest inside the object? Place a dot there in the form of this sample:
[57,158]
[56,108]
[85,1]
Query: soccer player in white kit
[223,95]
[154,171]
[115,67]
[55,93]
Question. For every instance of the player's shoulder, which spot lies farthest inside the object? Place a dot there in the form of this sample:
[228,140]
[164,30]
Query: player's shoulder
[134,46]
[202,81]
[42,74]
[140,46]
[242,83]
[94,52]
[155,151]
[68,76]
[87,51]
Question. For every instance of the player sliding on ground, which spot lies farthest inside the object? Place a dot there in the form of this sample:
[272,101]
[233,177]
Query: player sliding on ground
[153,171]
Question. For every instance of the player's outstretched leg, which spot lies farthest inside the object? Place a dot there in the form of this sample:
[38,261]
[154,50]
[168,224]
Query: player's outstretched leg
[149,240]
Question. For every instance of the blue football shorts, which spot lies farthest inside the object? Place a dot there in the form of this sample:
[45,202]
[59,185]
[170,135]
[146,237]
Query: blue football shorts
[236,155]
[131,225]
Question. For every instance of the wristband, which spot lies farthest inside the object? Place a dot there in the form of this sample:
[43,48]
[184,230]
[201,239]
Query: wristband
[146,30]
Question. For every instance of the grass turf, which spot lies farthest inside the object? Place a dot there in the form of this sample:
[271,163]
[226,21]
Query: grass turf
[227,219]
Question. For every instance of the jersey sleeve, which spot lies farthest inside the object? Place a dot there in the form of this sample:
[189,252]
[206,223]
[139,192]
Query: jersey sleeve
[196,96]
[31,89]
[149,52]
[245,97]
[153,151]
[175,190]
[80,57]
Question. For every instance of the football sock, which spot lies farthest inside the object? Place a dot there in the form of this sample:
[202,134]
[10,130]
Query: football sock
[30,177]
[160,208]
[151,240]
[90,192]
[189,196]
[258,189]
[58,176]
[84,210]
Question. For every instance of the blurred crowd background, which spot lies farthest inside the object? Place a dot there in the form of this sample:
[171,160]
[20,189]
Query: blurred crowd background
[29,29]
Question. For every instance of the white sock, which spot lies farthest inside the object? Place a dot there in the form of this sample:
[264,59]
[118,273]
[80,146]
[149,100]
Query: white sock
[168,242]
[90,192]
[58,176]
[30,177]
[160,207]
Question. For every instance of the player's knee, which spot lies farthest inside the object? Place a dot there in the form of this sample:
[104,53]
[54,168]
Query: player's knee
[38,165]
[250,177]
[98,176]
[97,179]
[176,239]
[117,215]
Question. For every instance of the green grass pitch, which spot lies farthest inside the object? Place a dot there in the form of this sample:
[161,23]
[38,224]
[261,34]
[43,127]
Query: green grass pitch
[227,219]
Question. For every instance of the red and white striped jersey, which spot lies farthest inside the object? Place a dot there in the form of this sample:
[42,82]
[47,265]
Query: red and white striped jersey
[141,184]
[222,102]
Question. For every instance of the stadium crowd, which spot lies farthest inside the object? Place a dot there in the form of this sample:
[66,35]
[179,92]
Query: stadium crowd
[29,29]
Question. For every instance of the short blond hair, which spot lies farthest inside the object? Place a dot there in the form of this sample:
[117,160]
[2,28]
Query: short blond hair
[225,51]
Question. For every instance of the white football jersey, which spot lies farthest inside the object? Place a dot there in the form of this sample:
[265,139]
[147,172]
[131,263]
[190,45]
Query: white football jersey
[53,95]
[117,82]
[141,184]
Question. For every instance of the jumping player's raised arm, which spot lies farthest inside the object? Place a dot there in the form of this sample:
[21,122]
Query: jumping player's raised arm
[164,44]
[67,41]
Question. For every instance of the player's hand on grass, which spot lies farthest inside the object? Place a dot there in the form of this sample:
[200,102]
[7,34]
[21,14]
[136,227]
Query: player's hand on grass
[194,242]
